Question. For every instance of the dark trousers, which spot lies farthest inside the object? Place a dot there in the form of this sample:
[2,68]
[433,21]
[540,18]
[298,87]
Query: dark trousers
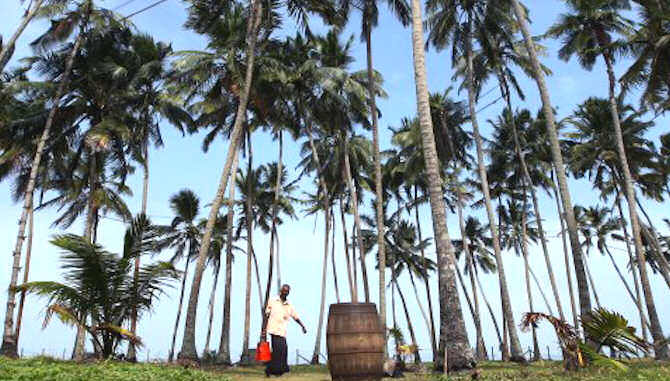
[279,363]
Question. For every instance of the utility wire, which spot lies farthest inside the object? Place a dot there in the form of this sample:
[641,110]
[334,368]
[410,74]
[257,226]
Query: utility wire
[144,9]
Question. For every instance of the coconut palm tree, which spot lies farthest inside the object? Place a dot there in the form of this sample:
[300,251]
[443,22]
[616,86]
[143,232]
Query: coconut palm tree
[651,49]
[184,236]
[369,20]
[624,180]
[453,336]
[79,17]
[447,28]
[556,156]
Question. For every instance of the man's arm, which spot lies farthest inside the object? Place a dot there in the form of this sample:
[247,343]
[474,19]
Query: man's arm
[304,330]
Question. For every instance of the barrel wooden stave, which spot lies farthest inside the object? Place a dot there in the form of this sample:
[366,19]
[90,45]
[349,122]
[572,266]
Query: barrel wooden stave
[355,342]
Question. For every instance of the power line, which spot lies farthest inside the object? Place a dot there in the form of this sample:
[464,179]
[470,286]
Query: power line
[144,9]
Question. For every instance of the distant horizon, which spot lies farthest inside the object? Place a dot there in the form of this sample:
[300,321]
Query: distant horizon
[182,164]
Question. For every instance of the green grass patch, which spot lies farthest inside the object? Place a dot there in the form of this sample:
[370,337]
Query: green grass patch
[47,369]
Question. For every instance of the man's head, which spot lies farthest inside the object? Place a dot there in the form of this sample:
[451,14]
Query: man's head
[284,290]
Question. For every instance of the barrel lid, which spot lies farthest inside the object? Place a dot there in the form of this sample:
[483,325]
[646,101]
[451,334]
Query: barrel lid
[352,308]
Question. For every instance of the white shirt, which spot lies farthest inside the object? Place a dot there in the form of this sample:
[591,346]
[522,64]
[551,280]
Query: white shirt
[279,312]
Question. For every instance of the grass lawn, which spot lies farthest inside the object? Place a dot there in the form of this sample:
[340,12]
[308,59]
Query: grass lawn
[48,369]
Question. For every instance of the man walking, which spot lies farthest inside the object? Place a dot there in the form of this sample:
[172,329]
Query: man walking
[277,313]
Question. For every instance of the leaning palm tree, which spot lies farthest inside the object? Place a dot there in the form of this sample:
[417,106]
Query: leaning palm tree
[453,336]
[556,156]
[446,28]
[254,21]
[589,31]
[80,17]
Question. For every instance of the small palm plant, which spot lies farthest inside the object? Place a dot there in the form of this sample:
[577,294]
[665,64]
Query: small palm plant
[99,290]
[605,329]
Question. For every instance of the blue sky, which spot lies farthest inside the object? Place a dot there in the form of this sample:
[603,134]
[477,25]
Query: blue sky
[182,164]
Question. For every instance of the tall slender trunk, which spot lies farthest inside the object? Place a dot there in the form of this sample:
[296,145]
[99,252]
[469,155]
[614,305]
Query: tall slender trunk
[475,274]
[453,335]
[515,346]
[179,309]
[345,242]
[410,326]
[526,265]
[591,282]
[250,249]
[353,260]
[536,207]
[426,279]
[660,344]
[379,200]
[418,301]
[188,351]
[544,296]
[223,354]
[26,272]
[273,234]
[322,308]
[8,48]
[210,308]
[9,342]
[357,218]
[557,158]
[644,323]
[132,352]
[273,230]
[332,254]
[481,347]
[566,256]
[633,267]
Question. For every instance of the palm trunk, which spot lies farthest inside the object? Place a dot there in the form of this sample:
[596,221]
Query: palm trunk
[357,218]
[345,241]
[188,351]
[453,335]
[501,342]
[223,354]
[557,158]
[379,208]
[210,308]
[481,347]
[332,254]
[410,327]
[644,323]
[132,353]
[536,347]
[660,345]
[533,194]
[593,286]
[322,308]
[568,273]
[544,296]
[426,279]
[8,48]
[179,309]
[9,342]
[273,233]
[353,260]
[515,346]
[250,248]
[26,271]
[633,267]
[418,302]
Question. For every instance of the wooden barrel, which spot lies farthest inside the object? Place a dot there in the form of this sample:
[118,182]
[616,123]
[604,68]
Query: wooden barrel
[355,341]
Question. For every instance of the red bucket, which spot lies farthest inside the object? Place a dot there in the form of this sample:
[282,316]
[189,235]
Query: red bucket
[263,353]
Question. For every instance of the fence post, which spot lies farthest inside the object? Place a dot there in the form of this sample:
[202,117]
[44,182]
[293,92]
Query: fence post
[548,354]
[493,357]
[297,357]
